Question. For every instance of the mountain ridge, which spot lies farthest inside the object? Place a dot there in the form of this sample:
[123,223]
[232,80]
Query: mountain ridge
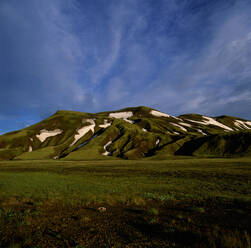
[128,133]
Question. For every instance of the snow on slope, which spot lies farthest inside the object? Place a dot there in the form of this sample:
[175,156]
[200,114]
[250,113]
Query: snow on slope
[106,153]
[105,125]
[185,124]
[158,114]
[211,121]
[122,115]
[129,121]
[200,131]
[84,130]
[44,134]
[243,124]
[177,125]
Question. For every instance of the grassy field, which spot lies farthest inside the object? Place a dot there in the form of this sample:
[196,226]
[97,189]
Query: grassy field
[175,202]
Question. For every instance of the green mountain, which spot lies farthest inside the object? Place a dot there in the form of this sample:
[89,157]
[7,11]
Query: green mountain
[129,133]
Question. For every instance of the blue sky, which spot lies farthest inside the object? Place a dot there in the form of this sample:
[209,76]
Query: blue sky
[178,56]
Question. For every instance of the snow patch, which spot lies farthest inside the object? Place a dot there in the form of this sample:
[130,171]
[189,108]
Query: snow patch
[158,114]
[243,124]
[122,115]
[176,133]
[106,153]
[91,121]
[185,124]
[83,131]
[200,131]
[157,142]
[179,126]
[129,121]
[44,134]
[211,121]
[105,125]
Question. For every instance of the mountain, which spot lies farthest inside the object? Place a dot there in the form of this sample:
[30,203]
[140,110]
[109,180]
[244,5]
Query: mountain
[129,133]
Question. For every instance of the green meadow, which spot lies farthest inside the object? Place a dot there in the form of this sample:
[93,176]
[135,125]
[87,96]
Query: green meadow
[122,179]
[148,203]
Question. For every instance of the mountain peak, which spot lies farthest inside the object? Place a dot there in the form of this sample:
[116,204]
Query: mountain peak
[129,133]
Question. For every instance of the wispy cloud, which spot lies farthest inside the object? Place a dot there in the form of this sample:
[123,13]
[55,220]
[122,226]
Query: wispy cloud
[40,55]
[177,56]
[208,79]
[104,65]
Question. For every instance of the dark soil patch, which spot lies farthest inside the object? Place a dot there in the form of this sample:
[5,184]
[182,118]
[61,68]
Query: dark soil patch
[211,223]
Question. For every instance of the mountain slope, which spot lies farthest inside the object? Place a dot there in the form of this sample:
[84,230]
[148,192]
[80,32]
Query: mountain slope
[129,133]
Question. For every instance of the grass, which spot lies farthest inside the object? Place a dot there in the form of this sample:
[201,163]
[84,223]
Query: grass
[128,141]
[175,179]
[175,202]
[43,153]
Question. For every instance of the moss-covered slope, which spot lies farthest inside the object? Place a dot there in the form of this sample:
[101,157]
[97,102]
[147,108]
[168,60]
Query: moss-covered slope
[129,133]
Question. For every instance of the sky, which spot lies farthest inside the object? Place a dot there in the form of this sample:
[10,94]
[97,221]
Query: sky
[177,56]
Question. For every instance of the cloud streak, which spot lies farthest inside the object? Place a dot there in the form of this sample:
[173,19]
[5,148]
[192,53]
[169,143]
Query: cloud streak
[40,56]
[208,80]
[97,55]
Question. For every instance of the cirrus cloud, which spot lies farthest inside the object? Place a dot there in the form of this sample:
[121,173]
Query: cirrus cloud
[178,57]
